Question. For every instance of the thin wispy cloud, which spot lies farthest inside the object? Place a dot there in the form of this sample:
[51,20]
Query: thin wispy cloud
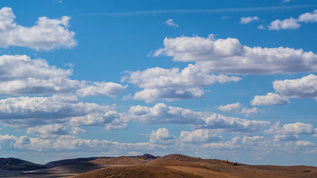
[197,11]
[171,23]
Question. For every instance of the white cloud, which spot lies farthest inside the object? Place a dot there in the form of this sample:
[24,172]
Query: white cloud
[78,131]
[101,88]
[163,114]
[230,57]
[217,121]
[21,75]
[171,23]
[34,111]
[308,17]
[269,99]
[261,27]
[292,129]
[246,20]
[162,136]
[238,108]
[169,94]
[48,131]
[297,88]
[199,136]
[304,143]
[171,84]
[46,34]
[285,137]
[292,23]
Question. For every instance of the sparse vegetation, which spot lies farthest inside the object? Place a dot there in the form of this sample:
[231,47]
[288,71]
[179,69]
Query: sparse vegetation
[229,162]
[18,164]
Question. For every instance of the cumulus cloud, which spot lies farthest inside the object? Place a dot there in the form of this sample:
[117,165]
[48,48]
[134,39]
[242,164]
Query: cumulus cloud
[169,94]
[171,23]
[230,57]
[297,88]
[304,143]
[285,137]
[270,99]
[292,129]
[171,84]
[238,108]
[199,136]
[21,75]
[233,124]
[163,114]
[101,88]
[31,111]
[67,142]
[246,20]
[48,131]
[46,34]
[292,23]
[161,136]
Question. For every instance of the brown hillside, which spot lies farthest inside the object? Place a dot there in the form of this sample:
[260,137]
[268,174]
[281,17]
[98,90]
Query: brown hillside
[122,160]
[137,172]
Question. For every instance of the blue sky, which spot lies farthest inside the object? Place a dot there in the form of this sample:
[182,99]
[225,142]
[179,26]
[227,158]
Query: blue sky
[229,80]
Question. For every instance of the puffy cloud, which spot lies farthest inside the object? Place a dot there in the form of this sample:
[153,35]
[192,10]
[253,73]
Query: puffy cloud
[161,136]
[149,95]
[304,143]
[171,84]
[21,75]
[292,129]
[46,34]
[101,88]
[292,23]
[199,136]
[246,20]
[163,114]
[238,108]
[31,111]
[308,17]
[269,99]
[217,121]
[100,117]
[297,88]
[78,131]
[171,23]
[229,56]
[252,140]
[67,142]
[48,131]
[285,137]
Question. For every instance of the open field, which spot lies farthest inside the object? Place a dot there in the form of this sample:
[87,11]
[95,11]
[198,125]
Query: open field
[170,166]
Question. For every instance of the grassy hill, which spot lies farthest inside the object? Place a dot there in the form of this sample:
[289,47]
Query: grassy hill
[18,164]
[170,166]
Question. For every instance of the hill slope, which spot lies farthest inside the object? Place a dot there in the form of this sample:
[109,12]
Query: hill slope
[18,164]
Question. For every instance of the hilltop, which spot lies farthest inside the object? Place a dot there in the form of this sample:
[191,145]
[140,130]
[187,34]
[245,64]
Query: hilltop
[169,166]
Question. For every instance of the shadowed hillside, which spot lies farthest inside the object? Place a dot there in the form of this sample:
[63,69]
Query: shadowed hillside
[18,164]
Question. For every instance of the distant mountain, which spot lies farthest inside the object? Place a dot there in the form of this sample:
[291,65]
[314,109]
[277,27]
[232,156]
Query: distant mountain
[18,164]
